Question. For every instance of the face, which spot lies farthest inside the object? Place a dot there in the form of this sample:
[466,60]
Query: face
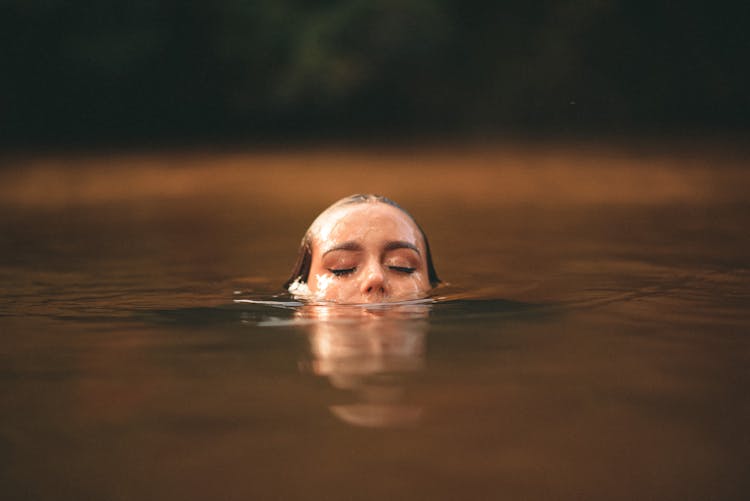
[367,253]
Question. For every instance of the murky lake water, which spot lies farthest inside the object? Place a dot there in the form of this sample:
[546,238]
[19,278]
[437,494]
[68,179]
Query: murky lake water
[592,343]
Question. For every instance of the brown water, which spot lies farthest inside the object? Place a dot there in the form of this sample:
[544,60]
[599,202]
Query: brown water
[592,343]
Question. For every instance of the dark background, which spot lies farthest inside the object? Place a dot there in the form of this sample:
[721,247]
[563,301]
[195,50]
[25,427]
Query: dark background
[137,72]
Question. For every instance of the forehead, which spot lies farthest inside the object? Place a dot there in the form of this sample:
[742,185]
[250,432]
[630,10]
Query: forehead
[356,221]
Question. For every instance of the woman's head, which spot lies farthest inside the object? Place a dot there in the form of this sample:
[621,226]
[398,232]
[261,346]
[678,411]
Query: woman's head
[364,249]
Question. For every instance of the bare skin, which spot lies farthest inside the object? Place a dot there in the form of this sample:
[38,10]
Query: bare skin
[367,253]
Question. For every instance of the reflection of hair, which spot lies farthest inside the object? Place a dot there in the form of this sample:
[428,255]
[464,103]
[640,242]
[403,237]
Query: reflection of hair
[301,270]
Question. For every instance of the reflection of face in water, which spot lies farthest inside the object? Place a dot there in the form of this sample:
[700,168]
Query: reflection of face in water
[368,352]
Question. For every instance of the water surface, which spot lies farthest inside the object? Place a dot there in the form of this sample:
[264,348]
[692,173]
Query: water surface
[591,342]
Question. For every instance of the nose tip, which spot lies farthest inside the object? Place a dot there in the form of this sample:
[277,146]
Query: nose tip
[374,283]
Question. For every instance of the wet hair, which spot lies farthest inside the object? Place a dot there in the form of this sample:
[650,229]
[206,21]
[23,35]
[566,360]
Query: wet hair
[301,270]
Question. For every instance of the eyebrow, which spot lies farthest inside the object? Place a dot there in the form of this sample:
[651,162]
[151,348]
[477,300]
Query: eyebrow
[354,246]
[400,244]
[348,246]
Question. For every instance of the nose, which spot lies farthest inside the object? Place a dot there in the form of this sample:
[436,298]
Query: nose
[374,285]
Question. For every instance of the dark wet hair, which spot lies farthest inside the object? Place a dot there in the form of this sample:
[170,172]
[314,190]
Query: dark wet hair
[301,270]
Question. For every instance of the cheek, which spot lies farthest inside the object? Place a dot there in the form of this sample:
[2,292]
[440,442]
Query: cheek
[327,287]
[322,283]
[411,283]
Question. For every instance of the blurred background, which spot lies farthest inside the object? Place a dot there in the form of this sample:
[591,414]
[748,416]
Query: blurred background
[247,71]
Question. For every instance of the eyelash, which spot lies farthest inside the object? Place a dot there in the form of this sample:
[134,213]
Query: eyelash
[343,272]
[403,269]
[347,271]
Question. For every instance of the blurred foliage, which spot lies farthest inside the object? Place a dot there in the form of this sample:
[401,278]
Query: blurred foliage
[105,69]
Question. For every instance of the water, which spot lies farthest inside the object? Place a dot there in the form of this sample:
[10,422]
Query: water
[592,341]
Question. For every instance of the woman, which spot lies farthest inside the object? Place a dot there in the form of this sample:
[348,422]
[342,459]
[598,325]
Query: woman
[363,249]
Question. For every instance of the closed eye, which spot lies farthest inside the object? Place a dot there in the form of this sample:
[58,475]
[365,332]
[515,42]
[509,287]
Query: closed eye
[340,272]
[403,269]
